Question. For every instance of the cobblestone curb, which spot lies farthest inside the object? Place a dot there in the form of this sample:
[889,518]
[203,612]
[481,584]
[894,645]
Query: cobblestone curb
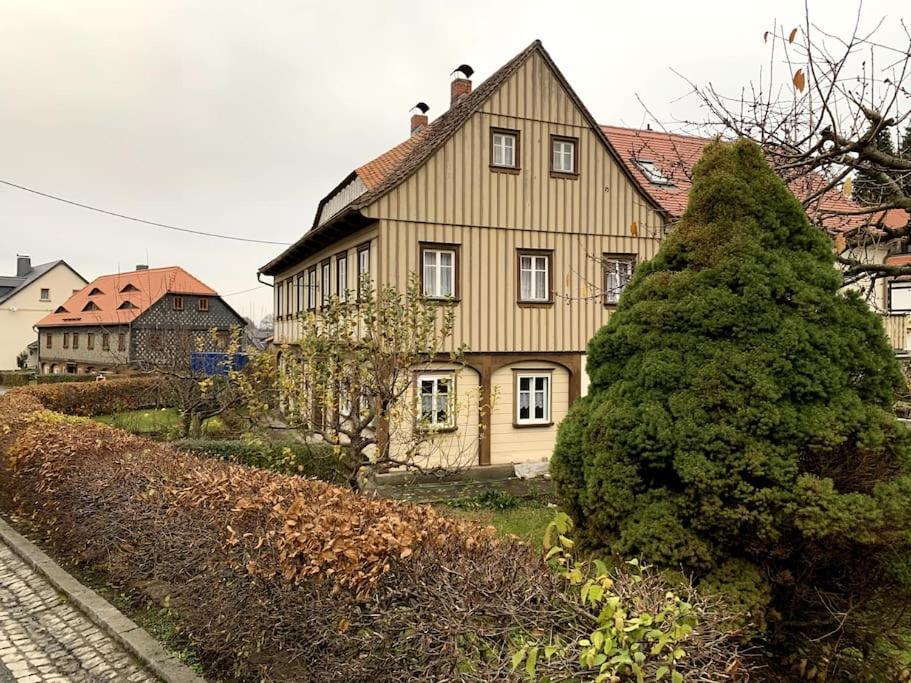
[100,612]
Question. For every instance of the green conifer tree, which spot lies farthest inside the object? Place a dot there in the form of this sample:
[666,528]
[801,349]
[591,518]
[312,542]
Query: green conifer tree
[868,188]
[739,426]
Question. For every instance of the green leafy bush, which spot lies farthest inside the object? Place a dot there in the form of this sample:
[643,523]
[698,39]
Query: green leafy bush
[739,426]
[15,379]
[492,499]
[306,460]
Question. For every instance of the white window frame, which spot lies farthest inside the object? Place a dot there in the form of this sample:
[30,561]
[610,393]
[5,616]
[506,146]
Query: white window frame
[498,145]
[311,289]
[432,287]
[620,267]
[300,287]
[363,266]
[279,299]
[533,378]
[341,277]
[559,155]
[436,378]
[325,282]
[533,269]
[653,172]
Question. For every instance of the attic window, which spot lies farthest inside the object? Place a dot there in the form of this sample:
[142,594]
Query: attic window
[651,171]
[61,309]
[91,306]
[126,306]
[95,292]
[128,288]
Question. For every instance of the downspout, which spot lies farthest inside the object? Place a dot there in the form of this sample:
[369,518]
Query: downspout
[259,280]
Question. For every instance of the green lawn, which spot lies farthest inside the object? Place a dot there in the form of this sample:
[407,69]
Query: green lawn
[526,521]
[149,421]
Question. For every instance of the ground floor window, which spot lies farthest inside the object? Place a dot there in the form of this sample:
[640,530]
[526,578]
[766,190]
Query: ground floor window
[435,400]
[533,398]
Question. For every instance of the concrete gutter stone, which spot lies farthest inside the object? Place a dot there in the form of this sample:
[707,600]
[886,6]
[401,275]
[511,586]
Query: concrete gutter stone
[100,612]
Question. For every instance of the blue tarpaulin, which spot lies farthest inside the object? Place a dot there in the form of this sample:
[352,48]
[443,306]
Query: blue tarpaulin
[210,363]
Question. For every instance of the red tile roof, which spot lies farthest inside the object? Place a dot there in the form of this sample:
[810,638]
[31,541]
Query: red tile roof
[374,172]
[120,298]
[676,154]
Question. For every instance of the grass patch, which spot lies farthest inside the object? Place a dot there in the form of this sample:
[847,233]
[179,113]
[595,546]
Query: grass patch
[165,421]
[527,521]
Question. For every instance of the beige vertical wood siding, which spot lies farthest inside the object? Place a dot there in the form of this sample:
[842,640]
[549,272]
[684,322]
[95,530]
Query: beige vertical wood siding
[456,198]
[287,330]
[524,444]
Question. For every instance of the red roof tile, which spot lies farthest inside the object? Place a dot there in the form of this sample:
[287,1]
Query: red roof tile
[141,288]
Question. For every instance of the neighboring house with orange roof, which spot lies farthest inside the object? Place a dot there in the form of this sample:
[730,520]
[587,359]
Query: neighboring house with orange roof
[514,204]
[149,317]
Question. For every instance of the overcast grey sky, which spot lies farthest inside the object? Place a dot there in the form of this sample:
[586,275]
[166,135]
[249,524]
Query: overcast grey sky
[236,117]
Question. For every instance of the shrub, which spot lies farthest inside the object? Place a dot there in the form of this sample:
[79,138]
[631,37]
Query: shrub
[290,579]
[100,398]
[15,379]
[739,426]
[307,460]
[62,378]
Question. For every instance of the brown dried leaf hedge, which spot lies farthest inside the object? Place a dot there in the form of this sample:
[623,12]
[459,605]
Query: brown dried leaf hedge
[275,577]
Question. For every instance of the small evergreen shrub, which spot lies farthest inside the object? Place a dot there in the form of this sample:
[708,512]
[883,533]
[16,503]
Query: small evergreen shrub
[739,426]
[15,379]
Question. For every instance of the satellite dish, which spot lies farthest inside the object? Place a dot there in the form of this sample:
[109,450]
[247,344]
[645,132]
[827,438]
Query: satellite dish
[422,106]
[463,69]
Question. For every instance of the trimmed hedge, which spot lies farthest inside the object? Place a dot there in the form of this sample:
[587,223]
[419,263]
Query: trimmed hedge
[99,398]
[65,377]
[283,578]
[307,460]
[15,379]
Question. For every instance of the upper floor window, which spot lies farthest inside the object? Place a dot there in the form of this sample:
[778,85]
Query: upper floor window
[438,272]
[75,340]
[618,269]
[341,276]
[504,148]
[435,397]
[178,303]
[564,155]
[121,342]
[105,342]
[203,304]
[45,295]
[279,299]
[535,277]
[90,341]
[363,266]
[311,289]
[325,282]
[300,292]
[66,340]
[652,172]
[289,296]
[48,340]
[533,398]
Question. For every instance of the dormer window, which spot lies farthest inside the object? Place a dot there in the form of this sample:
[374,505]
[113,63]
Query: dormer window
[61,309]
[504,149]
[652,172]
[95,292]
[128,288]
[126,306]
[91,306]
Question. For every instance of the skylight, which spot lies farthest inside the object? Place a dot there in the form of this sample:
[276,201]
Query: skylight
[651,171]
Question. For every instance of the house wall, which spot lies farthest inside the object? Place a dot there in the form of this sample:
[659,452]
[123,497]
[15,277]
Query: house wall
[286,328]
[163,336]
[19,314]
[84,357]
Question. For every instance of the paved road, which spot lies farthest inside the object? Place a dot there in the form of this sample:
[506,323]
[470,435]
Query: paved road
[43,639]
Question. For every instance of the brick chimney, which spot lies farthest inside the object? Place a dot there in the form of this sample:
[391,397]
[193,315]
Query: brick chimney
[419,117]
[461,84]
[141,266]
[23,265]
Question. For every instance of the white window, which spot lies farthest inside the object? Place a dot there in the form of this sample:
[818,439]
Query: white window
[564,155]
[439,273]
[532,399]
[311,289]
[503,149]
[341,277]
[363,266]
[534,277]
[435,400]
[45,295]
[325,285]
[617,272]
[300,292]
[280,299]
[651,171]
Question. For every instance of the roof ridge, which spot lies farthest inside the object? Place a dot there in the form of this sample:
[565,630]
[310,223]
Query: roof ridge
[649,131]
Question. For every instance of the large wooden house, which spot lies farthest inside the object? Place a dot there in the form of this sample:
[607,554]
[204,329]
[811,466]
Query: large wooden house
[515,204]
